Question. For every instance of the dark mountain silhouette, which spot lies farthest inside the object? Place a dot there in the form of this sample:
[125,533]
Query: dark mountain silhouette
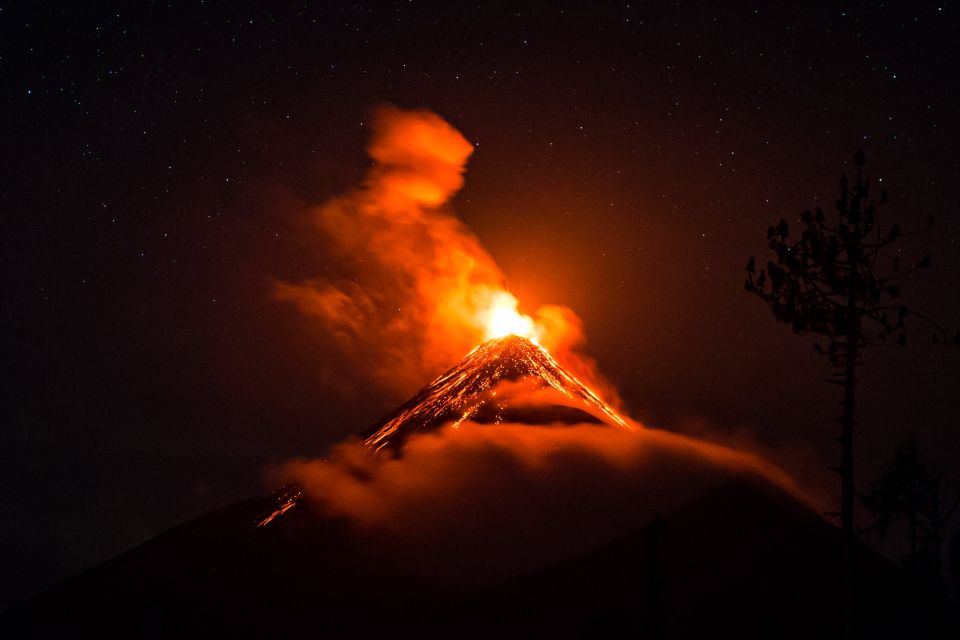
[743,560]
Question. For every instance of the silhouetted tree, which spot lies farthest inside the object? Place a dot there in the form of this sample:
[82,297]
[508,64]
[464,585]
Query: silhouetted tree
[920,494]
[955,562]
[836,281]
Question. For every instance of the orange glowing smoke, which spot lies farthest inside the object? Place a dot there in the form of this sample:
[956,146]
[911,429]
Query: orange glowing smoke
[481,504]
[413,289]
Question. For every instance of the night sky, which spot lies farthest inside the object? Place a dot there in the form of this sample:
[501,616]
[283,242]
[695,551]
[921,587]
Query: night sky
[159,158]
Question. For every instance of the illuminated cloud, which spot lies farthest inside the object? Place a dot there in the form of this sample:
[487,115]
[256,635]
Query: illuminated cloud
[415,290]
[482,502]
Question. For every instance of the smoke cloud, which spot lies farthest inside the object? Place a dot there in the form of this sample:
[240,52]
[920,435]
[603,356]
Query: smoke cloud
[479,503]
[413,285]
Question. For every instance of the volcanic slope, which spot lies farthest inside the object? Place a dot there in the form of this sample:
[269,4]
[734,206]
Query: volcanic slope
[508,379]
[704,550]
[742,562]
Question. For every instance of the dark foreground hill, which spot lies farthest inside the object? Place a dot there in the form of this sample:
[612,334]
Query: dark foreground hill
[743,561]
[504,524]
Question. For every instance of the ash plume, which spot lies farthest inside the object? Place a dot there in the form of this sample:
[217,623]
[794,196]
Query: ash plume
[413,284]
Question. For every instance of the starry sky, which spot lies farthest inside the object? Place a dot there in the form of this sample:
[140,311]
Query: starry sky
[628,160]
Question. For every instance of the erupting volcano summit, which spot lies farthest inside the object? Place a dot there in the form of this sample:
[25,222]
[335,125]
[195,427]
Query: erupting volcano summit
[508,379]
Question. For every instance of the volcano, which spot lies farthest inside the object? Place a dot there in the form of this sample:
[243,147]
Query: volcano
[509,379]
[672,540]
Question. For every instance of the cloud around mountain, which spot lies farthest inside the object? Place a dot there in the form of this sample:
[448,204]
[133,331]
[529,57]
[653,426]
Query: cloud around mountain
[477,503]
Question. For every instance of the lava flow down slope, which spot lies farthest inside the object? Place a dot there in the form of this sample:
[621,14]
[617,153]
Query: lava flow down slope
[504,380]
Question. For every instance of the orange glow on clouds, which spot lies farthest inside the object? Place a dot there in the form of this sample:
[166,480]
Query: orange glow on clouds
[415,289]
[492,502]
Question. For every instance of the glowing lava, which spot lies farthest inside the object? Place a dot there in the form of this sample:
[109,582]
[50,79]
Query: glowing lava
[501,319]
[470,388]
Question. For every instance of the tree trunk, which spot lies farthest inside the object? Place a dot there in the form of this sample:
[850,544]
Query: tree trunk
[912,520]
[936,527]
[848,495]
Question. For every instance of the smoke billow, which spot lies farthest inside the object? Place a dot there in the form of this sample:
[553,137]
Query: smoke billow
[416,291]
[479,503]
[414,288]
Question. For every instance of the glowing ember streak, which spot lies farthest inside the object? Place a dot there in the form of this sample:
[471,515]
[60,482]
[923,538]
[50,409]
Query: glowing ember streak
[290,499]
[501,319]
